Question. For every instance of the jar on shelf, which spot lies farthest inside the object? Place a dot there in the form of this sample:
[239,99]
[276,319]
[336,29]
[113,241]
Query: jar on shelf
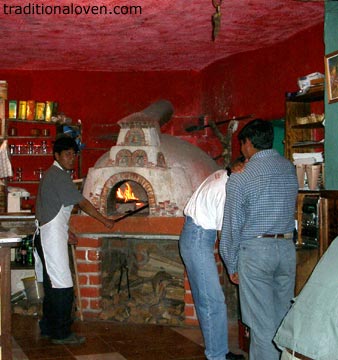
[39,173]
[44,147]
[30,147]
[19,174]
[12,131]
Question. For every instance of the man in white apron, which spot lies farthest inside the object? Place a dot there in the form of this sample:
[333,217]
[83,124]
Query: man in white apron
[57,194]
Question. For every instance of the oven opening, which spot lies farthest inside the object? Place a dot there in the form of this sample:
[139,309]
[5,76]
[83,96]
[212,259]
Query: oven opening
[127,196]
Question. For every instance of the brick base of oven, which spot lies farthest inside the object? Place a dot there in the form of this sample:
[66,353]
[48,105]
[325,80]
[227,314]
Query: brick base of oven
[89,258]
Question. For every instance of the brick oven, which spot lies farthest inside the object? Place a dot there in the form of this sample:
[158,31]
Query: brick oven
[138,260]
[162,169]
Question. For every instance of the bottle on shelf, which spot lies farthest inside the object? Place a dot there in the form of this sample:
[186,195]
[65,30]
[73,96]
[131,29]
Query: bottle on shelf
[18,255]
[19,174]
[30,256]
[23,253]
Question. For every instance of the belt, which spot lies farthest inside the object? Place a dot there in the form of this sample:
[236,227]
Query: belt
[277,236]
[297,355]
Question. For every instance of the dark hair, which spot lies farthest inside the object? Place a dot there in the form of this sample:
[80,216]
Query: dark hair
[259,132]
[240,159]
[64,143]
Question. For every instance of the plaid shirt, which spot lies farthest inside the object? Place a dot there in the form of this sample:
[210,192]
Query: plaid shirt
[260,200]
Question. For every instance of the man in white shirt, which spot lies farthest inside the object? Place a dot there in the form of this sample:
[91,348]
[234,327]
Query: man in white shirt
[203,218]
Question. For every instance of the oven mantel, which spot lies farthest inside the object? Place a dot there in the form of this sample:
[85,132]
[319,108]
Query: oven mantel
[83,224]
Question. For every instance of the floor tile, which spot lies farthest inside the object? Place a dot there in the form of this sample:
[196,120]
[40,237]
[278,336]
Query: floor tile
[18,354]
[108,340]
[94,345]
[108,356]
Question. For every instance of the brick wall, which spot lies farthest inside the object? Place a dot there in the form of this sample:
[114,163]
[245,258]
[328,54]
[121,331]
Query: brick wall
[89,258]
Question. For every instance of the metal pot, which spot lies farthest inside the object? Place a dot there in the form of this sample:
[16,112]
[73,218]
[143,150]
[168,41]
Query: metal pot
[35,132]
[45,132]
[13,131]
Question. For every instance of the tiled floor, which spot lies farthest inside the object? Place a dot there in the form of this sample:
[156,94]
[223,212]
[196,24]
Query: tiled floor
[113,341]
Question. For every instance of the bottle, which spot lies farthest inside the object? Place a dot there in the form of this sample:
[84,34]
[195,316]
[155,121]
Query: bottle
[24,252]
[30,258]
[18,255]
[19,174]
[44,147]
[29,245]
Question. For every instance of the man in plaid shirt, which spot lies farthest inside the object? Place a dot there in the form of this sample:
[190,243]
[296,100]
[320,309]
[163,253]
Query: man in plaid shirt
[257,236]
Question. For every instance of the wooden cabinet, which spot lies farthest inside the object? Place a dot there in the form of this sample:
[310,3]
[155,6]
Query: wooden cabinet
[301,135]
[308,235]
[328,218]
[304,133]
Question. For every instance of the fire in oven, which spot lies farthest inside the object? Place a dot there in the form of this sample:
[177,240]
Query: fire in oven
[127,197]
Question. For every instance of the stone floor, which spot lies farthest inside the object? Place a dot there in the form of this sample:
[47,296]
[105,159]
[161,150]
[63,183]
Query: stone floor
[114,341]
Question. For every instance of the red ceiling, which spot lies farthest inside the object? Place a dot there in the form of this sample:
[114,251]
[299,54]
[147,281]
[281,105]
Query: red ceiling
[168,35]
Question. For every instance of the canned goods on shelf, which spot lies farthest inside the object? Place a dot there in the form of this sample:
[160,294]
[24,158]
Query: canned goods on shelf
[40,111]
[49,110]
[22,109]
[3,89]
[30,113]
[12,109]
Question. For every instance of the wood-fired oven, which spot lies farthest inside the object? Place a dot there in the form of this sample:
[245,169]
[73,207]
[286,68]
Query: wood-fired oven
[145,167]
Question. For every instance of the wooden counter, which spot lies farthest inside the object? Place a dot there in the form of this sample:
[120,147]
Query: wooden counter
[5,300]
[22,224]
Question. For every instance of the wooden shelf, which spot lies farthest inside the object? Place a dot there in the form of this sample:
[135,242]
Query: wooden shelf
[47,154]
[18,266]
[23,182]
[35,162]
[307,144]
[303,137]
[315,94]
[314,125]
[33,121]
[30,137]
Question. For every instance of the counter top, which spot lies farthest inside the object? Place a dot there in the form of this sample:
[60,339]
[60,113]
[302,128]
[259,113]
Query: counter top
[17,216]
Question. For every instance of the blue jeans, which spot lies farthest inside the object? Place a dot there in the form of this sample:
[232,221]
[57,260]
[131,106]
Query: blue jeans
[197,250]
[267,270]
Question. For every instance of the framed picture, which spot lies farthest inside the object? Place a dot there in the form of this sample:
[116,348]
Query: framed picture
[331,74]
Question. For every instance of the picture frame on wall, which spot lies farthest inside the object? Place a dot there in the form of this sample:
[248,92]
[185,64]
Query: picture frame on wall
[331,76]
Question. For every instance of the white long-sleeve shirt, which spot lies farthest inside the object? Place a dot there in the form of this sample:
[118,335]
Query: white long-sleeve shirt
[206,204]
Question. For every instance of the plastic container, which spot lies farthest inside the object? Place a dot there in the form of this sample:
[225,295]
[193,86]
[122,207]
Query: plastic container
[33,289]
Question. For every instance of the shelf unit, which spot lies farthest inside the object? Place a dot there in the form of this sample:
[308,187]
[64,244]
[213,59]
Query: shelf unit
[30,144]
[303,137]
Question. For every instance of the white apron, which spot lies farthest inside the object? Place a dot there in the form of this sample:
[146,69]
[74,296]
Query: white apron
[54,242]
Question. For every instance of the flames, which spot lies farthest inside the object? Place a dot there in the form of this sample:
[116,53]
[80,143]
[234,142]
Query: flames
[127,194]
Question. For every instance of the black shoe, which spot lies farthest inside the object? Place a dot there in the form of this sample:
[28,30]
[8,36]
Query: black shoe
[232,356]
[72,339]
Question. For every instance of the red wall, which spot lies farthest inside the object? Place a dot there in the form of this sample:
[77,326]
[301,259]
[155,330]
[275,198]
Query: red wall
[101,99]
[248,83]
[256,82]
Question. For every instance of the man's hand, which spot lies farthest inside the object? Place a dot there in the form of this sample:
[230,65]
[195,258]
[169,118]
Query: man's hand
[109,223]
[72,238]
[89,209]
[234,278]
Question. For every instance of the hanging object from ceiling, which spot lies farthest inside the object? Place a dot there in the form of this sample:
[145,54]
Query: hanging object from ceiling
[216,18]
